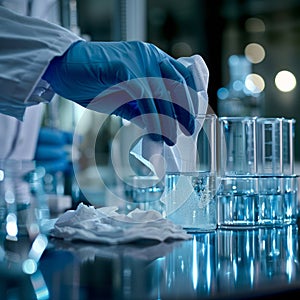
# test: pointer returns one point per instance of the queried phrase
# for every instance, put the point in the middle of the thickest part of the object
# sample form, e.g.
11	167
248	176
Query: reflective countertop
224	264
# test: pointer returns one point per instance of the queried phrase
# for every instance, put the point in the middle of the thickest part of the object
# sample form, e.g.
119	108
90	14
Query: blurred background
251	48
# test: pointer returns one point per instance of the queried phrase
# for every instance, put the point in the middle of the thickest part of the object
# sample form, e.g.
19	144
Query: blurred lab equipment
239	97
144	192
23	213
53	154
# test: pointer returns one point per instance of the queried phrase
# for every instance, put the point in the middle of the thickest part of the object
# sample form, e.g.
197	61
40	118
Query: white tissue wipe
106	225
174	156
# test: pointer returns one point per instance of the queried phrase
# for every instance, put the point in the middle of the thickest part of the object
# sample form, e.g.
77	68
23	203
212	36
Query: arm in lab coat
18	140
39	56
27	46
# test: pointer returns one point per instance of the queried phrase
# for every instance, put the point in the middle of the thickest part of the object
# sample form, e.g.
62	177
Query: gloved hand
140	81
51	151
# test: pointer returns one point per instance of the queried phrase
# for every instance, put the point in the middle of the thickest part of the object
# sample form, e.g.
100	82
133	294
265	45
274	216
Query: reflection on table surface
219	265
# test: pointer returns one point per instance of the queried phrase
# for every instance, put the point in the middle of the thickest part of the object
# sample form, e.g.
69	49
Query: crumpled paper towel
106	225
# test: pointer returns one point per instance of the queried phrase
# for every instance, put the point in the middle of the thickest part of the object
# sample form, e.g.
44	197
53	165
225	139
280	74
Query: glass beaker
238	146
190	188
275	143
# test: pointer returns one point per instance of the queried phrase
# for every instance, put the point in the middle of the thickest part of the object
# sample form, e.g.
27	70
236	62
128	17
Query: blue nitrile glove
51	151
135	77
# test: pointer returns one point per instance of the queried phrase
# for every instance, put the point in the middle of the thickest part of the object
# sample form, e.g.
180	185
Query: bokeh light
255	25
29	266
285	81
11	225
255	53
182	49
255	83
222	93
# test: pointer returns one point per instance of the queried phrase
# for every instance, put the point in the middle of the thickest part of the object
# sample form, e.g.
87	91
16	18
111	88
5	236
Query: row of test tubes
258	186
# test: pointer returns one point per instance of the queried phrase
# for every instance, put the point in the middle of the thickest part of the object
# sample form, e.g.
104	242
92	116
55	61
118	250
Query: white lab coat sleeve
27	46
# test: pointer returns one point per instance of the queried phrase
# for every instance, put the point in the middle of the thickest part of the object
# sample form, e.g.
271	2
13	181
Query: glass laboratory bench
224	264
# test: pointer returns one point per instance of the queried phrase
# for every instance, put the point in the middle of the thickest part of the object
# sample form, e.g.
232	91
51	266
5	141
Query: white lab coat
27	46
